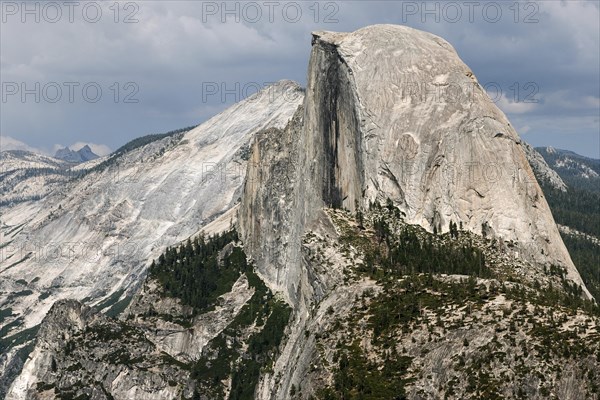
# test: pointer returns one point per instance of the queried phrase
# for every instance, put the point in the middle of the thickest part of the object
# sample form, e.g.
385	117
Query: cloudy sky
106	72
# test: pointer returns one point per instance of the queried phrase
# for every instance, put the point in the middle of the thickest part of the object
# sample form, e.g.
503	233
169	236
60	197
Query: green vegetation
144	140
118	307
571	168
576	208
5	313
44	295
569	297
200	271
26	335
264	312
579	209
112	306
110	301
418	304
73	174
6	328
193	274
197	273
586	256
411	250
262	346
405	301
132	145
358	378
409	254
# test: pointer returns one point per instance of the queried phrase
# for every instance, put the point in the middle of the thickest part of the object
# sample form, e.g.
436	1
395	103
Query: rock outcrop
392	112
81	353
389	113
161	347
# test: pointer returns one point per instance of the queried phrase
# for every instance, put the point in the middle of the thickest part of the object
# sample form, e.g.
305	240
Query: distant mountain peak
82	155
575	170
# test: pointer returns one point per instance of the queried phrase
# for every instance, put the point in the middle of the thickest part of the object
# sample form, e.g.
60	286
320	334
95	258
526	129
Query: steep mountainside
92	238
168	344
544	174
387	244
403	314
27	176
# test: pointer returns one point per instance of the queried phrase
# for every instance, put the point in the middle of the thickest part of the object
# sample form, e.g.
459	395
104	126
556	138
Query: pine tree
359	215
196	395
390	204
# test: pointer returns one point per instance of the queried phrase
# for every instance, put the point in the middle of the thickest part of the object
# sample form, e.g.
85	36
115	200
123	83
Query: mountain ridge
109	222
577	171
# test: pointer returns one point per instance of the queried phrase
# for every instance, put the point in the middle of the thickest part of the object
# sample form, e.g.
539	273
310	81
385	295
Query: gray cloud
175	49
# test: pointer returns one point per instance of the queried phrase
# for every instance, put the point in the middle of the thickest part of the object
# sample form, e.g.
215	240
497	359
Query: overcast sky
157	64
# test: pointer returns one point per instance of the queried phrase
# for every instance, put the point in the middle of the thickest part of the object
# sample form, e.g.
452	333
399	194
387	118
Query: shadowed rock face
337	121
392	112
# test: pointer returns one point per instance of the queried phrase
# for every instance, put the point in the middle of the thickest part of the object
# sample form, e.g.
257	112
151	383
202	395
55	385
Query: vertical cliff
392	112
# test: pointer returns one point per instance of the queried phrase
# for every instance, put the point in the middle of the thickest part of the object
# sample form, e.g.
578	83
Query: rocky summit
380	234
82	155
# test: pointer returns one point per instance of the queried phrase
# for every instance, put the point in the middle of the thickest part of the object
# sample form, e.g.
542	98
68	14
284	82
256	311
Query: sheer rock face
271	218
392	112
389	112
